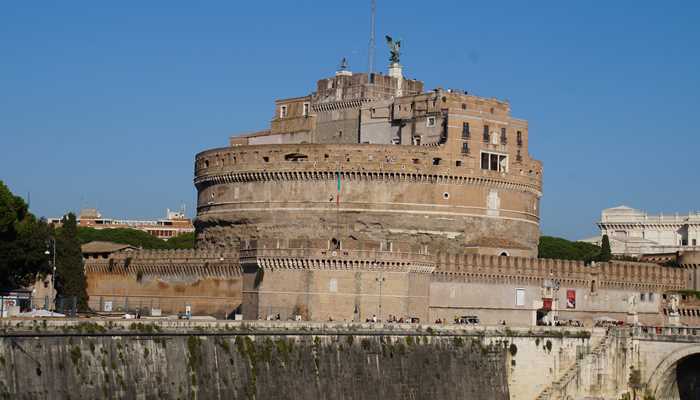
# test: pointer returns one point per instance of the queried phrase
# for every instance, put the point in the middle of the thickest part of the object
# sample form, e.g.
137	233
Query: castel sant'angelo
372	196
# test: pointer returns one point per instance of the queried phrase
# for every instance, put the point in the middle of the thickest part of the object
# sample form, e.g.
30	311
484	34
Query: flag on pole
337	198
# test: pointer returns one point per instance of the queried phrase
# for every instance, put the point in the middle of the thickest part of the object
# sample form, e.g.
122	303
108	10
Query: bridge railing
660	330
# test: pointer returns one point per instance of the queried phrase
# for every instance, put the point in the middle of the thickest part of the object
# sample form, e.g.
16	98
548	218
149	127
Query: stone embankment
116	359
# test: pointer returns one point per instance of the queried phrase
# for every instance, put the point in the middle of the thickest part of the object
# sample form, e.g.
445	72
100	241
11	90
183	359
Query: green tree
605	253
182	241
135	238
559	248
22	242
70	274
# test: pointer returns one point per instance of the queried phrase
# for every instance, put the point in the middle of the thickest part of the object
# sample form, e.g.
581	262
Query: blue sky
105	105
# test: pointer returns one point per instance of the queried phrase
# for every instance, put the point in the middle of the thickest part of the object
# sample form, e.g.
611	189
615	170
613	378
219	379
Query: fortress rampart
169	280
269	277
620	275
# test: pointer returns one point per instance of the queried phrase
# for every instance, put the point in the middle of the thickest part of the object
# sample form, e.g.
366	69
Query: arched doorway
677	376
688	377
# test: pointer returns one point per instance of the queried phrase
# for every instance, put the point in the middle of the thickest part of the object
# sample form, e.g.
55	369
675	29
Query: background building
174	224
635	233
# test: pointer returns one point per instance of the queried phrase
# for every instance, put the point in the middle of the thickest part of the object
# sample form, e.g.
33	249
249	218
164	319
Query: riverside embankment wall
125	360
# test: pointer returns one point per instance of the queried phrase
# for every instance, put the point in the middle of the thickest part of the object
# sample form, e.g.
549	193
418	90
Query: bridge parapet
667	333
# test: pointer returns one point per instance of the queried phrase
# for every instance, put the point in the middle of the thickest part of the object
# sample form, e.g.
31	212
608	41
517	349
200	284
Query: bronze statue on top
395	49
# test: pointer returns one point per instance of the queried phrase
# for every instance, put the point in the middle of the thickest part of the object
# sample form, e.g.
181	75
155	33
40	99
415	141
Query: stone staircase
554	391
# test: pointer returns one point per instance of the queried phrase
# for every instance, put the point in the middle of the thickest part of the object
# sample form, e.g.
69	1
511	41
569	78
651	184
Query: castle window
430	122
416	161
436	161
464	106
642	297
446	196
458	163
492	110
519	297
465	130
305	110
333	285
465	148
695	242
283	111
520	138
651	297
266	158
504	138
206	163
386	245
494	161
295	157
518	157
486	134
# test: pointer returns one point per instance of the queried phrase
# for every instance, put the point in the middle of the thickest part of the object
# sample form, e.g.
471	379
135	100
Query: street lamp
52	241
381	280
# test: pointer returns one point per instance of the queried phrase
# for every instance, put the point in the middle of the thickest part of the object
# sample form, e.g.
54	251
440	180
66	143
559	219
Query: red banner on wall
570	298
547	304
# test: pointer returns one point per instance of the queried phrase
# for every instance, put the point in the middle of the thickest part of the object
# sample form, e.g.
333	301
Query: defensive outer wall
270	277
167	280
170	359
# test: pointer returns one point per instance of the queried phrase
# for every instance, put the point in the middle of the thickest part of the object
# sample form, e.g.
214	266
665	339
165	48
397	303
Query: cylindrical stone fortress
359	193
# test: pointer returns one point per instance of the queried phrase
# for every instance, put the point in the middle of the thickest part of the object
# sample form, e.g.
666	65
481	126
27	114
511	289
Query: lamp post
52	242
380	279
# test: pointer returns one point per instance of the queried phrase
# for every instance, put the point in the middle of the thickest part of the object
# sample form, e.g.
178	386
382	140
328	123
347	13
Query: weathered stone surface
210	366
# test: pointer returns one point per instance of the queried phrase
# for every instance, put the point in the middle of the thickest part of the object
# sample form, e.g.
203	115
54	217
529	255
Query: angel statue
395	49
673	305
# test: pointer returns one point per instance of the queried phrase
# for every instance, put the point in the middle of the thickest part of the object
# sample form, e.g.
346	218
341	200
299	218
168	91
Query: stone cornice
388	176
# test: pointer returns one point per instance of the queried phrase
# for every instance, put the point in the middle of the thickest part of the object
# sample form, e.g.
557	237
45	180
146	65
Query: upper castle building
376	158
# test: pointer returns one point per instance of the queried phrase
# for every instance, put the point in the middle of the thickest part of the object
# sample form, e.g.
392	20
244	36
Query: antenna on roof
370	55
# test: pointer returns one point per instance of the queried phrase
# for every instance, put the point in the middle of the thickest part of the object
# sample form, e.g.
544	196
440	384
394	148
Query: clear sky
105	104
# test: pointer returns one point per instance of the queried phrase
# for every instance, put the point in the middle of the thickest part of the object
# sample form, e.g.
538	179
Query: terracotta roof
105	247
495	242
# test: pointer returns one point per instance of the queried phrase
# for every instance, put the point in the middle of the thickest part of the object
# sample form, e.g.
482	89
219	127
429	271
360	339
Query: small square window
431	121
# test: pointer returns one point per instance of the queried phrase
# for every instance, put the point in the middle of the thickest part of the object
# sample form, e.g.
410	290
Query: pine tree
70	274
22	242
605	253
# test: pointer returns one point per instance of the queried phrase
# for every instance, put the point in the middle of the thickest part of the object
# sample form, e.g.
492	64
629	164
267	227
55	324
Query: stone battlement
366	260
188	262
573	273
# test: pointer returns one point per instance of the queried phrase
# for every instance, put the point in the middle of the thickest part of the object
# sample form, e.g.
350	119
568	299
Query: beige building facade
633	232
